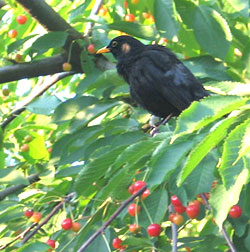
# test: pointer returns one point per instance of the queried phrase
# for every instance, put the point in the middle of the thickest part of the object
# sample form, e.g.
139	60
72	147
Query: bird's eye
114	43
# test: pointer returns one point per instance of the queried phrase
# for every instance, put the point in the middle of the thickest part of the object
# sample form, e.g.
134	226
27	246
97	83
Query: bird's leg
155	130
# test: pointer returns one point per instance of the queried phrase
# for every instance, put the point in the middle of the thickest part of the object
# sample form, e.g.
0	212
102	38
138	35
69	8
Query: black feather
159	82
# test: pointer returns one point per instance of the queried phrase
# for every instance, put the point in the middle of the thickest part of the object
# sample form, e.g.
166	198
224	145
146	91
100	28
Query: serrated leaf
229	87
50	40
209	24
94	171
44	105
201	178
207	110
167	157
69	109
222	199
166	18
218	133
157	205
235	146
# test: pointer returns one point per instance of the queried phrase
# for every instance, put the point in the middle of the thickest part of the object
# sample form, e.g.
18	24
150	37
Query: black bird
159	82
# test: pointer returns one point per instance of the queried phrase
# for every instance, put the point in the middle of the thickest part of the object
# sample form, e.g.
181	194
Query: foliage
99	142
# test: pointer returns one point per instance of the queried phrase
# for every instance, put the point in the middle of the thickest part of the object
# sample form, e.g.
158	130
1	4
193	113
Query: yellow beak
103	50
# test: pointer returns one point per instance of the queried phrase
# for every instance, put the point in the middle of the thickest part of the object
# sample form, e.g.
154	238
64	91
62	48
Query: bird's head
122	46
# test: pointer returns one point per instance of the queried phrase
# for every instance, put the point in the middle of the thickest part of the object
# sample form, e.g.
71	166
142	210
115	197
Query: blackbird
158	81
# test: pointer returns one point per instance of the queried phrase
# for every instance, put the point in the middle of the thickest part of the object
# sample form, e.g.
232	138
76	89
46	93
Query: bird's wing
172	80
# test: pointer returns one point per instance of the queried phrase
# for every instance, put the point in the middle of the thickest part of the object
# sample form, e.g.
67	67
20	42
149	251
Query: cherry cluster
66	224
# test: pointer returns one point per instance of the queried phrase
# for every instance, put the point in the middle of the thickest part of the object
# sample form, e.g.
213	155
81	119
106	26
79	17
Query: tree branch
44	66
2	4
12	189
224	233
114	215
36	91
47	17
52	213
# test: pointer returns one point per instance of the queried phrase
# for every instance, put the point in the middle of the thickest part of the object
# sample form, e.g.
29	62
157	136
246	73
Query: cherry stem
52	213
113	216
174	231
224	233
106	242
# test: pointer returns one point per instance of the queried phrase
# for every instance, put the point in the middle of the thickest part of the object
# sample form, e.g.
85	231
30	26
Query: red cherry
117	243
36	217
91	48
175	201
25	148
76	226
134	209
154	230
192	211
145	194
67	224
12	33
179	209
170	217
235	211
129	18
188	249
177	219
133	228
195	202
28	213
21	19
138	185
131	189
145	14
135	1
51	243
50	149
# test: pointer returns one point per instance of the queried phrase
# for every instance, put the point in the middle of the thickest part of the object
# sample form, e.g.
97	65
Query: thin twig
174	231
20	236
38	90
224	233
114	215
94	11
12	189
52	213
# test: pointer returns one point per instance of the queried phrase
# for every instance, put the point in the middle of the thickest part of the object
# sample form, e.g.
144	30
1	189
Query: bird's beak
103	50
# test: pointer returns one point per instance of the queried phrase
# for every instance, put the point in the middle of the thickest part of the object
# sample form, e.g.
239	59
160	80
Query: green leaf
12	176
166	18
202	177
134	29
222	199
138	241
207	110
236	7
69	109
44	105
235	146
205	67
229	87
94	171
209	26
49	40
217	134
37	148
34	247
15	45
157	206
